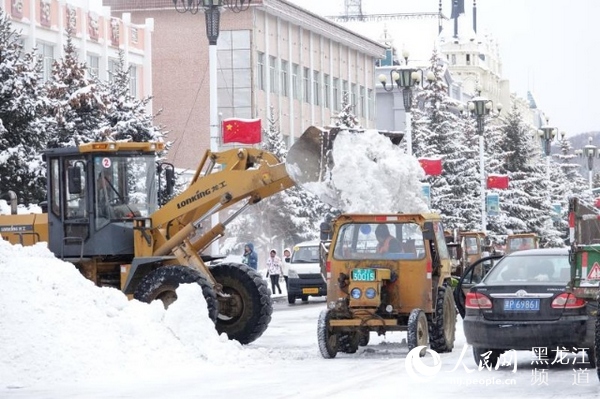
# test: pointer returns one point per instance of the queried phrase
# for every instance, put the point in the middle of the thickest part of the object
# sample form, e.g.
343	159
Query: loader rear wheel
328	340
596	348
246	313
442	329
417	333
364	338
160	284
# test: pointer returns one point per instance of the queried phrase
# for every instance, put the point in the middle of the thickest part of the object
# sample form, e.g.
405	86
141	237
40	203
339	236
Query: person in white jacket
287	257
274	270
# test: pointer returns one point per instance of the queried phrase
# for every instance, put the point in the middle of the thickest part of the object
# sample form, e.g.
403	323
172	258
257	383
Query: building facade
274	57
97	35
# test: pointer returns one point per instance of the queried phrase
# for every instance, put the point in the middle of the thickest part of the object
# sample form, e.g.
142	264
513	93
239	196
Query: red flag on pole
431	166
497	181
245	131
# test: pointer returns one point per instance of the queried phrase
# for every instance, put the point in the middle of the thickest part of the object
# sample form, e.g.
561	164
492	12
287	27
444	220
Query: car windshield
305	254
519	269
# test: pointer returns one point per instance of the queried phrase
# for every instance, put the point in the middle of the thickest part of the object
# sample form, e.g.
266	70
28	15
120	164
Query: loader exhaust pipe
11	197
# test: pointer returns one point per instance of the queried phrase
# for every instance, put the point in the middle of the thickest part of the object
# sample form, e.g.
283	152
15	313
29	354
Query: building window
344	87
133	81
353	98
316	88
273	74
284	78
468	59
371	106
336	94
327	94
260	79
361	102
113	67
93	66
306	84
453	62
296	82
46	52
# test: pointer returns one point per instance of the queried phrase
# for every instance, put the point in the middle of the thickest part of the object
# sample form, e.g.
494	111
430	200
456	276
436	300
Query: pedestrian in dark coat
250	257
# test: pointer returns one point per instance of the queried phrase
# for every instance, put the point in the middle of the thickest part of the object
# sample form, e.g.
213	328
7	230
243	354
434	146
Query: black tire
246	315
442	330
418	331
304	298
348	342
364	338
596	348
492	359
291	299
328	340
160	284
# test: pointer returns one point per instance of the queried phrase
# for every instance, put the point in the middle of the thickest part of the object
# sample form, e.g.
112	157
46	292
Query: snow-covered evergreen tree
346	117
22	138
526	202
129	119
454	193
78	103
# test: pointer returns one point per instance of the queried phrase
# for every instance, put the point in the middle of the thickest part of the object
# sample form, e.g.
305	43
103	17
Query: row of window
312	87
46	51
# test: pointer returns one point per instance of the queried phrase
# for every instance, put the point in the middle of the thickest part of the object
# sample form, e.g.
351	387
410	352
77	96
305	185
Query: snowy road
288	365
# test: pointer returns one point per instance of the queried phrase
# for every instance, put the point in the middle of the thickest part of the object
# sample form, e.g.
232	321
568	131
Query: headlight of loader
355	293
370	293
293	274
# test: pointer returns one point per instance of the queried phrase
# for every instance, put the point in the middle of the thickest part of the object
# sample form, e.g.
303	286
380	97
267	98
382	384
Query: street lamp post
547	134
480	107
405	78
212	15
589	151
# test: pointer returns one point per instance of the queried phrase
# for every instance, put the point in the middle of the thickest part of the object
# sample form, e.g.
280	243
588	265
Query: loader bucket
309	160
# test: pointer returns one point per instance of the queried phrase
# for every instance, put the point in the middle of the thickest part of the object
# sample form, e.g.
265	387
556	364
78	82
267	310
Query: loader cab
95	191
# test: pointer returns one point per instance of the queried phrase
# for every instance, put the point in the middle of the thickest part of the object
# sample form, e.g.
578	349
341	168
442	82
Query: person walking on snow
250	258
274	270
285	266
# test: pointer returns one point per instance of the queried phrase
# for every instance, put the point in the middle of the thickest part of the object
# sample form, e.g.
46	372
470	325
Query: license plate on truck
310	290
363	274
518	305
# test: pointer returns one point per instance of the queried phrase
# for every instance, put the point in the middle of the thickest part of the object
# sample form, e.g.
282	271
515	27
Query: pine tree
22	138
346	117
129	119
526	202
78	103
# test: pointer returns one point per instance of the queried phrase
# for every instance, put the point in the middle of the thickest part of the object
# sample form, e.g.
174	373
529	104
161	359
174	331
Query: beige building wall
286	36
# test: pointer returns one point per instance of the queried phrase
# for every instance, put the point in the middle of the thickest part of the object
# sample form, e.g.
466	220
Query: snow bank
56	326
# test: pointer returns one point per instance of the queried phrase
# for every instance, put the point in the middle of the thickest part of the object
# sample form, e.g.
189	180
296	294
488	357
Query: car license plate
522	304
363	274
310	290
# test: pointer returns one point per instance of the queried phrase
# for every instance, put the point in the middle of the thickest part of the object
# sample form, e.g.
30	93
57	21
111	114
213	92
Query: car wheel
417	331
291	299
328	340
443	327
486	357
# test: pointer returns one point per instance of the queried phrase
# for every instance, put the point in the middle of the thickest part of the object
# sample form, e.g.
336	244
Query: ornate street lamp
589	151
480	107
405	78
212	14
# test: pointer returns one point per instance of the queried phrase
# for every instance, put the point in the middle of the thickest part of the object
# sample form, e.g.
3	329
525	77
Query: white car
305	277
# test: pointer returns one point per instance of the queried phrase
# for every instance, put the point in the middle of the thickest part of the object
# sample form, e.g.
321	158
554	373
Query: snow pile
372	175
57	326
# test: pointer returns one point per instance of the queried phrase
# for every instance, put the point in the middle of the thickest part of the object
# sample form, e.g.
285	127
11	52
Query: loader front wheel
245	311
160	284
417	330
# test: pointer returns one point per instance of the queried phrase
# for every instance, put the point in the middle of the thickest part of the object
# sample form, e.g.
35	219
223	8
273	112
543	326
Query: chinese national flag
245	131
497	181
431	166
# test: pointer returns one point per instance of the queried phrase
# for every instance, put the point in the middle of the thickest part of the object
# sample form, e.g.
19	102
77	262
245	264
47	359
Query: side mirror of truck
75	182
170	180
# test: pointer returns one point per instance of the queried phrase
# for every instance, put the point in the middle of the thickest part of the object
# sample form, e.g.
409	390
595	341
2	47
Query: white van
304	277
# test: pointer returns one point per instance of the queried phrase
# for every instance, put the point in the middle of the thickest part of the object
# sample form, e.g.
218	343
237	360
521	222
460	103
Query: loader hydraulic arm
222	180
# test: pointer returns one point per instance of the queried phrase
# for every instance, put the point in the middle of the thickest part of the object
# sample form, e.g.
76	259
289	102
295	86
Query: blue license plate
363	274
524	305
